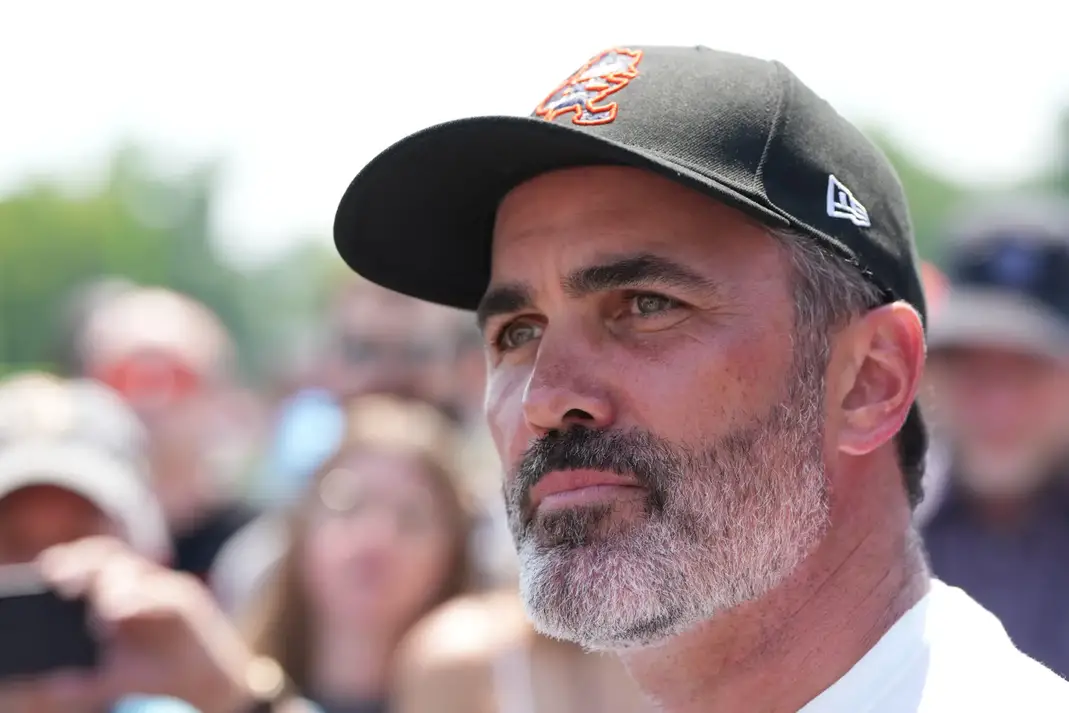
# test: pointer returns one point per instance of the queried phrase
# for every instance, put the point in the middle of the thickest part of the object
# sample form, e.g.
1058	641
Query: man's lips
563	488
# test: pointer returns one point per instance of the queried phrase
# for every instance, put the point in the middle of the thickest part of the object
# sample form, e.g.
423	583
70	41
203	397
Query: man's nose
565	389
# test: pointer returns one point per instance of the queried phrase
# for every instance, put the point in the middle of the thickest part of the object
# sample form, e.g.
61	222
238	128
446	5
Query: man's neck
776	654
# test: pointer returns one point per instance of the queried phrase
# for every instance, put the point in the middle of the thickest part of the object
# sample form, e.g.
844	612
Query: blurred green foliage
151	228
155	228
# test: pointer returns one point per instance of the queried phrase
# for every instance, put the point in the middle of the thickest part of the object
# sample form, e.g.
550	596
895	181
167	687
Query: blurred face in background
1006	413
156	347
469	371
152	382
388	343
379	544
35	518
459	378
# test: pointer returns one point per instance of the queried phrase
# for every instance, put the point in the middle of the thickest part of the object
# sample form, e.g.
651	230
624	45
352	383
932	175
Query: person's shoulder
1031	686
972	664
471	628
451	660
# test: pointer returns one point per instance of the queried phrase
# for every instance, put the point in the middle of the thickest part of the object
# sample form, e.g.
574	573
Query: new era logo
842	204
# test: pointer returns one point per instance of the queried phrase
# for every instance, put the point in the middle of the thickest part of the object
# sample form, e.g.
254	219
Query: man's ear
882	360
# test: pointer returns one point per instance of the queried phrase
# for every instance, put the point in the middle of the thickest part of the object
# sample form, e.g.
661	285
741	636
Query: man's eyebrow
627	271
635	271
502	299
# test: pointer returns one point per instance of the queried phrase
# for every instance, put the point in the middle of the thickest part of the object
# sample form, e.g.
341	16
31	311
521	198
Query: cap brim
419	218
79	470
993	318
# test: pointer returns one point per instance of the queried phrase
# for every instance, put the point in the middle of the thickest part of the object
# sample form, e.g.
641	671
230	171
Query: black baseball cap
747	132
1008	266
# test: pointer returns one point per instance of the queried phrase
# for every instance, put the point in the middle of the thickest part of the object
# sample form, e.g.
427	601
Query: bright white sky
298	96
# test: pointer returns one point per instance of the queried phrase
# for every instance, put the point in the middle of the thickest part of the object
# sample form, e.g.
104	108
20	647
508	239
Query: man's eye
515	334
649	305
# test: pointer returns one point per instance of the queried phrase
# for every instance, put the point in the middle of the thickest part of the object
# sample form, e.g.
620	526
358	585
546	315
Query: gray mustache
630	453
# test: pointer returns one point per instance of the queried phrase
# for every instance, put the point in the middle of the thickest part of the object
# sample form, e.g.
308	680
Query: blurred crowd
348	516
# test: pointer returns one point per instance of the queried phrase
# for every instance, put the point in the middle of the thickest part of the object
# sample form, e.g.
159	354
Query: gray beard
723	525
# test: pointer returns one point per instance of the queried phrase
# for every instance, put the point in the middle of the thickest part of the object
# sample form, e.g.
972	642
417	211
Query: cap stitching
773	130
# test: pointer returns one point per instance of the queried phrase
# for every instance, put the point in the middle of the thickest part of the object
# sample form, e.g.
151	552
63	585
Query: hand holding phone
161	632
40	632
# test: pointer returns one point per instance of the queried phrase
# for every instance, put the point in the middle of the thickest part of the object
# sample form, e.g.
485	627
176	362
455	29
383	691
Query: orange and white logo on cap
585	93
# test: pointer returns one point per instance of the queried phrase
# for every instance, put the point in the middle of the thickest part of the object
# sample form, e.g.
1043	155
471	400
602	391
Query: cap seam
773	130
700	170
834	243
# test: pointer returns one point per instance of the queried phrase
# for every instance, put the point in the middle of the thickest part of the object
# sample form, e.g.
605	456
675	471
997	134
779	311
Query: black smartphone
41	632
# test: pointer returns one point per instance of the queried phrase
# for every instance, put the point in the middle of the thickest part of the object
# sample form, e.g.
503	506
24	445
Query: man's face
640	343
1007	414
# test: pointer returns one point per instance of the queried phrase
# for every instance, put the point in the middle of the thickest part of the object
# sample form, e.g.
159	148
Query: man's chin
640	585
582	526
603	594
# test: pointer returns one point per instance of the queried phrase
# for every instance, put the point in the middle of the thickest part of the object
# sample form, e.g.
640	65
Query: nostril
576	414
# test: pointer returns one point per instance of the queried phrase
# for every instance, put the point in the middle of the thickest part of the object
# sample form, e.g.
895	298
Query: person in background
384	342
999	365
480	654
156	347
72	466
83	302
379	539
462	377
936	286
173	361
378	342
197	484
462	382
309	429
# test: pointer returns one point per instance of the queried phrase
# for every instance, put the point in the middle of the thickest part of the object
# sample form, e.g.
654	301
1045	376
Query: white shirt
946	655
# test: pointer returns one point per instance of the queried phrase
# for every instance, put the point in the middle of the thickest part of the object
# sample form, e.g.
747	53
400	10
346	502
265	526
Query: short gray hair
829	291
